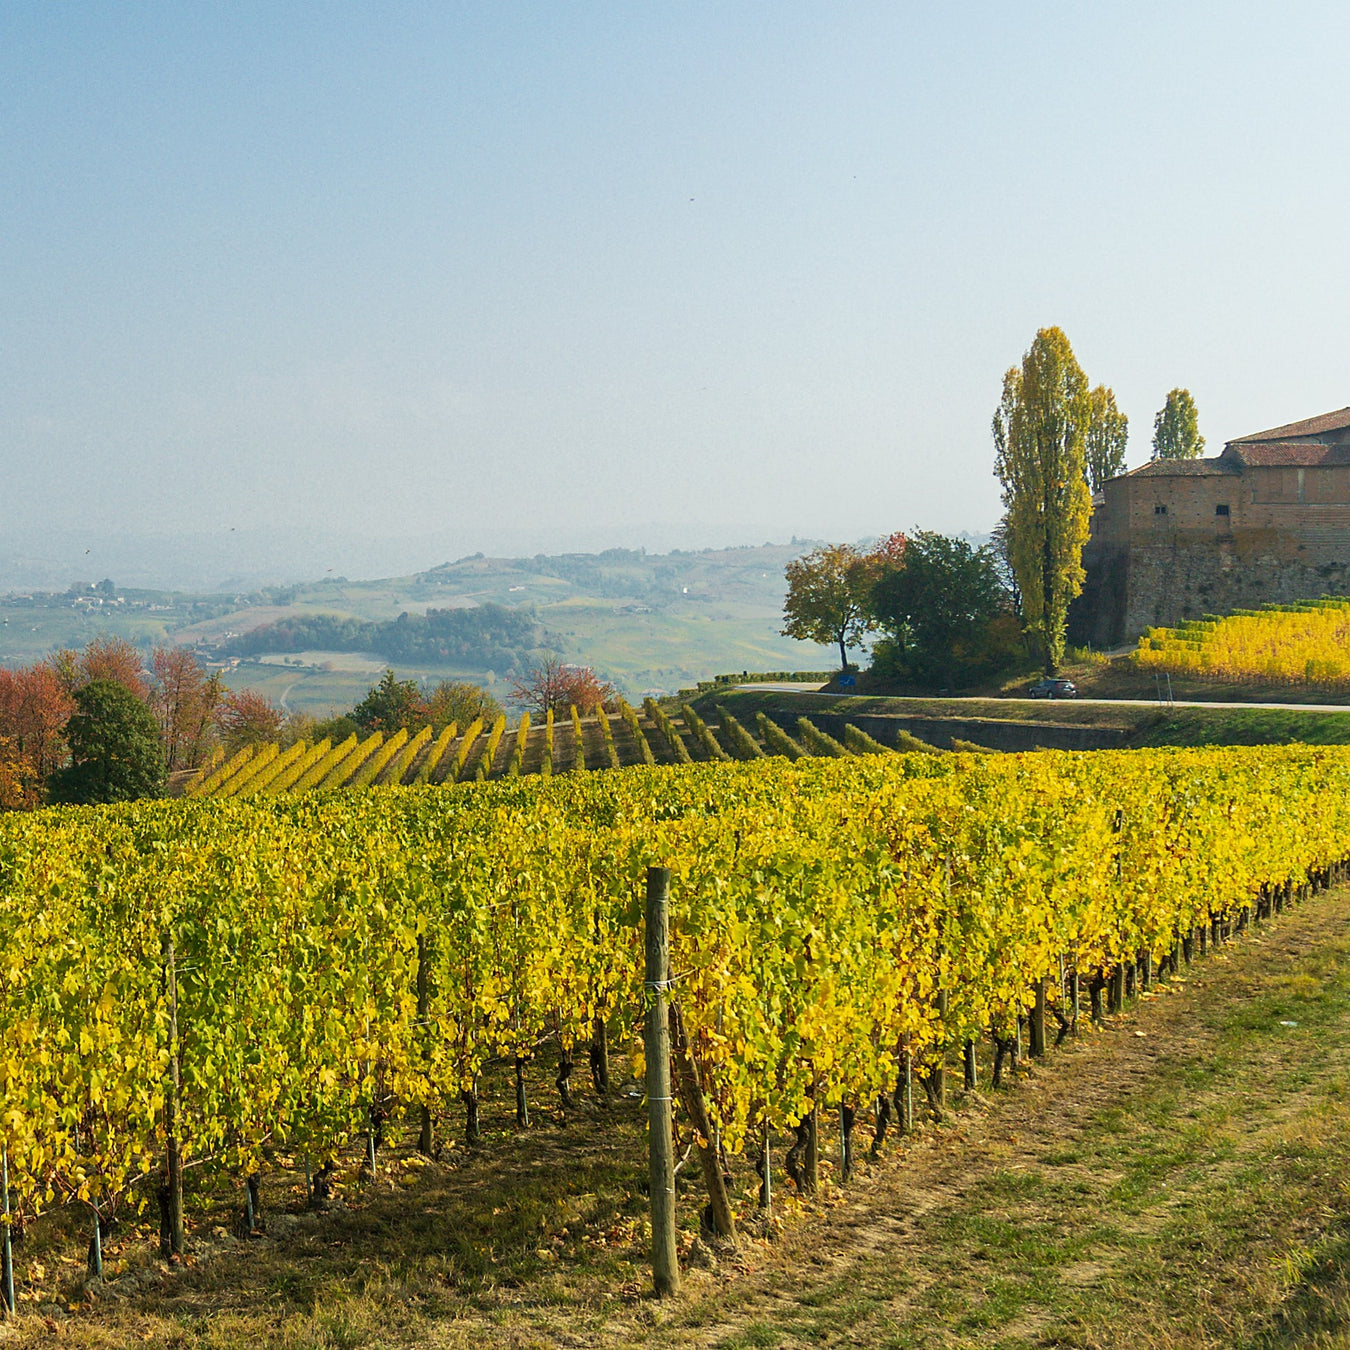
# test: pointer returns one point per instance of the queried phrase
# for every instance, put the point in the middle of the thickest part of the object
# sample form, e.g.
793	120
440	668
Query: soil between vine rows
1177	1179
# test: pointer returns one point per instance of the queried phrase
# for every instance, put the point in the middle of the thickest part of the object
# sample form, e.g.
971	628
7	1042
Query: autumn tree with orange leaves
35	705
105	658
246	717
551	685
184	700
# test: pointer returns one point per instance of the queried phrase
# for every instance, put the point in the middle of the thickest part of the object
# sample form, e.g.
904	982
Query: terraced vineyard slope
617	740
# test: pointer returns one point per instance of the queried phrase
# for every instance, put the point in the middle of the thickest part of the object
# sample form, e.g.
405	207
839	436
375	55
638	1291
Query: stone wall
941	731
1208	537
1163	583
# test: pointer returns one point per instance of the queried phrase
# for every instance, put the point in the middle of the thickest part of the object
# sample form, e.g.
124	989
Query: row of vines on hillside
1307	642
217	979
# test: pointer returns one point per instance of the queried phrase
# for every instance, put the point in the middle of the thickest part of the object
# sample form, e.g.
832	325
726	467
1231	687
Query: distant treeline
485	637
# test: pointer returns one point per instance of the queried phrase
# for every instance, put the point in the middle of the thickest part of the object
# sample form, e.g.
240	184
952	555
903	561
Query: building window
1221	509
1159	510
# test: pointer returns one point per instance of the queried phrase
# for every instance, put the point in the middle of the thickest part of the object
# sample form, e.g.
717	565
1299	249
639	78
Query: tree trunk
599	1056
522	1102
473	1134
813	1148
884	1112
795	1157
1038	1021
564	1078
847	1117
691	1095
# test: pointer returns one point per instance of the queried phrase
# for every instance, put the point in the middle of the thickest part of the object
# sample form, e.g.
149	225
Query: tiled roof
1186	468
1311	426
1287	454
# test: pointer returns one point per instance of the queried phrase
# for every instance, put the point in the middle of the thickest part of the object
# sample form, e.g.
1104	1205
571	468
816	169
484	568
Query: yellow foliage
818	907
1302	644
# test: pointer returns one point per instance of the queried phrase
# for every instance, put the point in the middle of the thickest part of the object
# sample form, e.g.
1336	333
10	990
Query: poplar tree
1176	428
1108	434
1040	434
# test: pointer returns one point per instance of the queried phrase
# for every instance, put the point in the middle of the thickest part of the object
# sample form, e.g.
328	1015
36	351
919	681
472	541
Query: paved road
814	688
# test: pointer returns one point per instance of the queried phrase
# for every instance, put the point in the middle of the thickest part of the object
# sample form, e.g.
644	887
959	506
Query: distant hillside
650	622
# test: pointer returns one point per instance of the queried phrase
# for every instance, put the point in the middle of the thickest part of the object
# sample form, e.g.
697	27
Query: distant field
651	623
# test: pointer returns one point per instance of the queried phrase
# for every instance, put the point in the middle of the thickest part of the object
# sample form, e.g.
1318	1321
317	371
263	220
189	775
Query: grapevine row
332	961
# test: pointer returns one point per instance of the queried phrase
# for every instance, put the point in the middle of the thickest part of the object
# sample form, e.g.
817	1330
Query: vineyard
218	984
1297	644
479	753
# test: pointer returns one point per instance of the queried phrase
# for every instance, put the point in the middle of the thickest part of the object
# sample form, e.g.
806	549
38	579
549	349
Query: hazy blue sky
514	276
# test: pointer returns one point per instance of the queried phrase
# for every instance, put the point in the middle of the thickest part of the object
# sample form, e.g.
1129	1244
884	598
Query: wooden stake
174	1215
7	1260
765	1169
656	1045
425	1136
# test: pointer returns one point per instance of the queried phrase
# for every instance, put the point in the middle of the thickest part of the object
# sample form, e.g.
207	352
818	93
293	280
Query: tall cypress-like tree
1040	433
1176	428
1108	435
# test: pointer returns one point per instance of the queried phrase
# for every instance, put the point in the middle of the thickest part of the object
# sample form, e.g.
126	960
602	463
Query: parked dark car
1053	689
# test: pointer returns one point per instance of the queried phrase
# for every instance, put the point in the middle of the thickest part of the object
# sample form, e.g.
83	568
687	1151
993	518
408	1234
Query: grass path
1179	1179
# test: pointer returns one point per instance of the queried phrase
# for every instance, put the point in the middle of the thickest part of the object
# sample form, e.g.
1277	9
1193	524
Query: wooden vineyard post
656	1047
1038	1021
425	1138
7	1261
938	1077
813	1143
907	1094
171	1204
765	1168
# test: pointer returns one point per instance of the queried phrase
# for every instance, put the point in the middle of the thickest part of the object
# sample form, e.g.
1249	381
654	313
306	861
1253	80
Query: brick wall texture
1268	520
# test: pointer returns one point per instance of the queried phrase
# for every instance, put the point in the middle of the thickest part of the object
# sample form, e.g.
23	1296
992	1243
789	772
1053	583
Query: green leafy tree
390	705
1107	436
1040	434
1176	428
828	598
115	749
462	703
946	612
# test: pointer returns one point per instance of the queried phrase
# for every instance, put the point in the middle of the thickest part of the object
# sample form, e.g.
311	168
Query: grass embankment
1122	677
1177	1179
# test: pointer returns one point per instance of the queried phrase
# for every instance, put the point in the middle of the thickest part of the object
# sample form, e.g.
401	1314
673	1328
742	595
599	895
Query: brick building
1268	519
